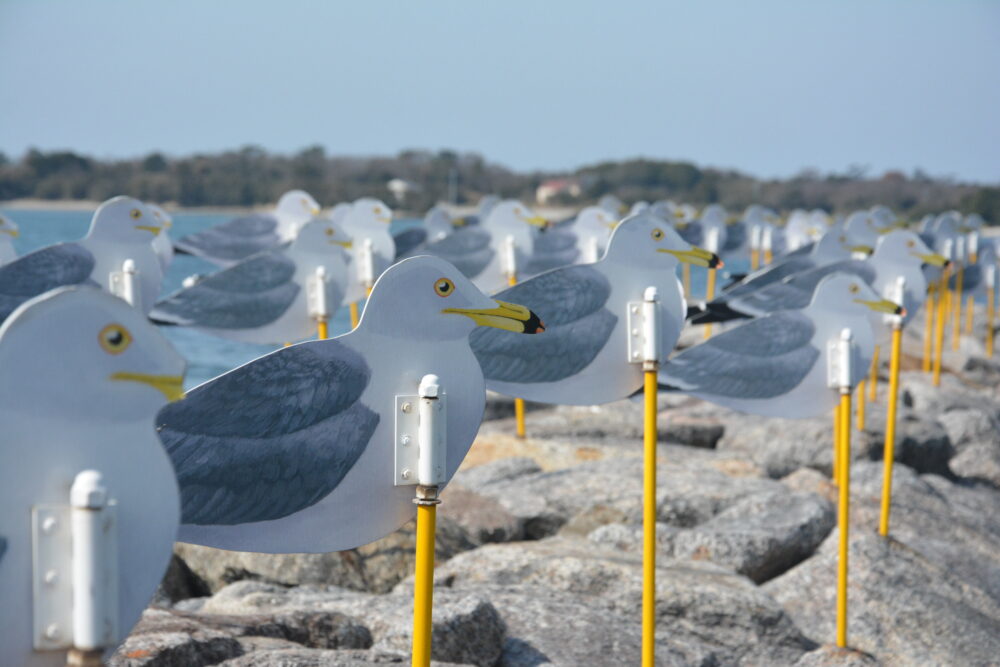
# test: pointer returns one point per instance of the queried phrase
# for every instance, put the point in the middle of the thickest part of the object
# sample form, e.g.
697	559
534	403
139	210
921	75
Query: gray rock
831	656
375	567
921	444
762	535
170	637
180	583
482	518
780	446
466	628
970	426
979	461
707	613
501	470
278	656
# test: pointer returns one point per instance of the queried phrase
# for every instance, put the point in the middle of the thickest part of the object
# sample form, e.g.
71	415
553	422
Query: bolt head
405	440
407	407
52	632
405	474
49	524
51	577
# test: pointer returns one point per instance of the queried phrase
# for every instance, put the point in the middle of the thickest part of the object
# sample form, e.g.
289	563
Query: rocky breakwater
539	549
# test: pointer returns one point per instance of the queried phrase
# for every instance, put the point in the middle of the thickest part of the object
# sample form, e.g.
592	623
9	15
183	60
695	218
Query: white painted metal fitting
366	263
845	351
960	249
591	250
650	326
319	309
767	239
509	257
948	250
973	242
991	276
896	294
125	284
431	433
712	240
94	610
755	235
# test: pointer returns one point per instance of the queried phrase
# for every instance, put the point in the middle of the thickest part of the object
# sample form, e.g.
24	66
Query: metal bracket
643	337
316	299
124	284
52	576
842	361
635	328
407	438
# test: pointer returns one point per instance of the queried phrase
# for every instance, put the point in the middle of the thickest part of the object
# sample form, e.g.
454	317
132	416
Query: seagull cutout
235	240
367	220
84	376
293	452
776	365
436	225
8	232
583	357
265	298
122	228
162	244
899	253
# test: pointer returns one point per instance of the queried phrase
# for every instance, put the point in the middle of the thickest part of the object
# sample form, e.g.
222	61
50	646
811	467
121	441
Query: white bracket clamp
124	284
895	292
842	362
74	569
642	319
316	297
420	436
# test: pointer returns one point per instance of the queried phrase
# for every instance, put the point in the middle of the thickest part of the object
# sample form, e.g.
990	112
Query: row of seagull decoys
288	453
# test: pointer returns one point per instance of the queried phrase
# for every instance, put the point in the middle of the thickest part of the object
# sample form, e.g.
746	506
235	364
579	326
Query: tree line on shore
251	176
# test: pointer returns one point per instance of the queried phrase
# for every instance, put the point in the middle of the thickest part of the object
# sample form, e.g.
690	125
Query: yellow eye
444	287
853	288
328	231
657	234
114	338
135	213
910	243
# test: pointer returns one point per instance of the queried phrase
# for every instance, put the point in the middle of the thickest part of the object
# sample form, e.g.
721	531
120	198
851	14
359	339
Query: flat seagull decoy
583	357
367	220
776	365
293	452
900	253
264	299
435	226
84	376
234	240
162	244
122	228
8	232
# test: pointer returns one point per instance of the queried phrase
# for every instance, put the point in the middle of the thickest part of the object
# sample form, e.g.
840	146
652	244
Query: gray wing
552	249
269	438
409	240
40	271
3	547
234	240
769	275
763	358
250	294
796	292
571	303
468	249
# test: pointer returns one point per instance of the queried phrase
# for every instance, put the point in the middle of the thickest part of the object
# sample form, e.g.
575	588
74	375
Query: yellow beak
697	256
155	231
883	306
933	259
344	244
536	221
458	222
313	210
171	386
867	249
13	232
506	316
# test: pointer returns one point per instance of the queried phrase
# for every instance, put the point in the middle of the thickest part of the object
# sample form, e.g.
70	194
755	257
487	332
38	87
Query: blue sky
765	87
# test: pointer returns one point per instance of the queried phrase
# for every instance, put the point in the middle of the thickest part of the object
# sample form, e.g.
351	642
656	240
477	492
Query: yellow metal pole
843	512
873	380
861	405
990	314
322	330
836	444
649	520
925	366
889	453
754	260
518	402
956	330
686	278
768	257
354	314
970	310
942	313
423	584
709	295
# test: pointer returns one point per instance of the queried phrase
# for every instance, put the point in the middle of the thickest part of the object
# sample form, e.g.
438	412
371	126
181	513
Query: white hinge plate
116	284
316	297
635	329
833	364
406	444
52	576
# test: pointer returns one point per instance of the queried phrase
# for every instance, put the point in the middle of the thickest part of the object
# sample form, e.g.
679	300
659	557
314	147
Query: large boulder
375	567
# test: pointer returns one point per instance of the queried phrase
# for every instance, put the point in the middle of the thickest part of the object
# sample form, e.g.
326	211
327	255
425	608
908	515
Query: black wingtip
717	311
181	250
694	309
534	324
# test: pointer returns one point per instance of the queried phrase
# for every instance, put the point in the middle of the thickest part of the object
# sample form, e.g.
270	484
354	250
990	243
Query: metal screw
407	407
52	632
635	332
404	440
49	524
405	474
50	577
